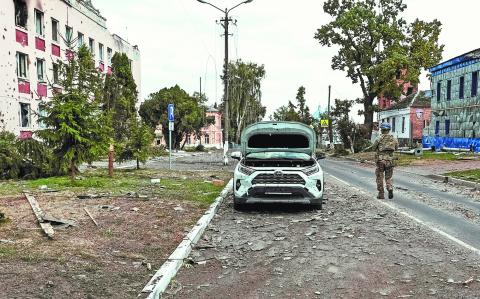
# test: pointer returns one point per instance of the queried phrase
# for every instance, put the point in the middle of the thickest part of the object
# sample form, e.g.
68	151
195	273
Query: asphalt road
436	205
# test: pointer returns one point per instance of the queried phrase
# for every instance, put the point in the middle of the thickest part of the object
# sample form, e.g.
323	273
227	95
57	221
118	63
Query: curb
161	279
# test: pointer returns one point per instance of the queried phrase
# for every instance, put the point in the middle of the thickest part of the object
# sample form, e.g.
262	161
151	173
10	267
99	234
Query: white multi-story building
35	35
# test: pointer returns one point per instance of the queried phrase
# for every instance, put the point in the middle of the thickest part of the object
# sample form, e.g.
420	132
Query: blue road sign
171	116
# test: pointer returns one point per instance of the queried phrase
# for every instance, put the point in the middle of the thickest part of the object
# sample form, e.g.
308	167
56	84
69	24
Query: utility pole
330	131
225	21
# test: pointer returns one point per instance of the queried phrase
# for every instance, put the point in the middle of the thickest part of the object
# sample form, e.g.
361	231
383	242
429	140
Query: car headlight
245	170
311	170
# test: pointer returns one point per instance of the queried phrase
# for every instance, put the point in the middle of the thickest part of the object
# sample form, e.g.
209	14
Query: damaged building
35	36
455	104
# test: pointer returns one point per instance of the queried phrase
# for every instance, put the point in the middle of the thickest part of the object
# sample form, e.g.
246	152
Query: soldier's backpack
387	144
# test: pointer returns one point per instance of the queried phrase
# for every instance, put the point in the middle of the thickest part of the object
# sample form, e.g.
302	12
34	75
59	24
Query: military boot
390	194
381	195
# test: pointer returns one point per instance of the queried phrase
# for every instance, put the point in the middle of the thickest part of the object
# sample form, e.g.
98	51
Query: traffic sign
324	123
170	109
171	125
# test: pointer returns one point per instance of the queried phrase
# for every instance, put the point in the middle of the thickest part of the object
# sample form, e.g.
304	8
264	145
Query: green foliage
303	110
10	159
138	144
120	97
189	113
245	96
291	112
37	160
376	45
77	130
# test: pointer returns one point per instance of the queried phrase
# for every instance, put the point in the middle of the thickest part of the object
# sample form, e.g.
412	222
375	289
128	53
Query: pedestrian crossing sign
324	123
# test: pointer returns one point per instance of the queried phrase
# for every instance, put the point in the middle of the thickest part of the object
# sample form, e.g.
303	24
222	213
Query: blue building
455	105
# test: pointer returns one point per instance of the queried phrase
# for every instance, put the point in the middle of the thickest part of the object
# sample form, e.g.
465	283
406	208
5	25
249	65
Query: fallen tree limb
46	226
91	217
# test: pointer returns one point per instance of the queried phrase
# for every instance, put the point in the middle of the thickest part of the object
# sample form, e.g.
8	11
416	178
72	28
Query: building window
80	40
474	83
41	113
68	35
207	139
54	30
22	70
91	45
100	51
109	56
461	90
21	13
393	124
41	70
437	127
25	115
55	74
449	90
403	124
439	91
39	22
447	127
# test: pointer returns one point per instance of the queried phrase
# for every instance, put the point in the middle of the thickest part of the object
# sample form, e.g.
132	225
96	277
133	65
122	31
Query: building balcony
42	89
40	44
23	86
21	37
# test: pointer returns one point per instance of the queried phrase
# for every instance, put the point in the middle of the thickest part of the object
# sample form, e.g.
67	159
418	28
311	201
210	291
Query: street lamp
225	22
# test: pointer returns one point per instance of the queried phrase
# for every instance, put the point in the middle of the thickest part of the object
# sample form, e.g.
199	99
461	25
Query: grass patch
469	175
7	251
175	185
405	160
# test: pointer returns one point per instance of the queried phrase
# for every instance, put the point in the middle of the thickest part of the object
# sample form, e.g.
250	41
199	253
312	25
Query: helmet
385	126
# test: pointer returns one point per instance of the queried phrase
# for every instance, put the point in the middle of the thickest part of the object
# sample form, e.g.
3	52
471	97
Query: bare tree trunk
368	116
138	164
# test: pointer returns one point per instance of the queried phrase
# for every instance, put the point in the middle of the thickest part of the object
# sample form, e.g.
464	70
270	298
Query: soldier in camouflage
385	145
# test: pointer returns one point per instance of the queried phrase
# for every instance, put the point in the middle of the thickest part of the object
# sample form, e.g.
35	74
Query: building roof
459	61
420	99
212	109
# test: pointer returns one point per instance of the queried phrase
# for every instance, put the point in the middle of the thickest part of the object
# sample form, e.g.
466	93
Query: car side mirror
320	156
236	155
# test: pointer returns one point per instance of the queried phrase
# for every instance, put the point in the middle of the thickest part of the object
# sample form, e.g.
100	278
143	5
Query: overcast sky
180	42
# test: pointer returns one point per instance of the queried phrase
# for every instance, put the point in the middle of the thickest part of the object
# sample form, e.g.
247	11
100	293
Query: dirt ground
114	260
354	248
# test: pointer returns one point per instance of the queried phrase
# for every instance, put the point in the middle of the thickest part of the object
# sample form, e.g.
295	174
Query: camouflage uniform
385	145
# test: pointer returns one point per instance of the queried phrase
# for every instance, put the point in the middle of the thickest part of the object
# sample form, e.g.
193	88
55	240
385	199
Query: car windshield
279	156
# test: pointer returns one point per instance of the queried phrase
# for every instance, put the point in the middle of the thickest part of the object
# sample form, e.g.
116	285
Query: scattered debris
58	221
46	226
155	181
179	209
7	241
91	217
466	282
259	245
218	183
135	209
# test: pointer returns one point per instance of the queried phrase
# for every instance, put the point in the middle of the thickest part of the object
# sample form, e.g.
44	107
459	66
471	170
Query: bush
158	151
200	148
10	159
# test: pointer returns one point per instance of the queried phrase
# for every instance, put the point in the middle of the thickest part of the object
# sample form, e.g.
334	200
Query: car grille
270	178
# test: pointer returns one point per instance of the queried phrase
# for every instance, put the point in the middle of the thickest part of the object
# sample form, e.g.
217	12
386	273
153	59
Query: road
422	244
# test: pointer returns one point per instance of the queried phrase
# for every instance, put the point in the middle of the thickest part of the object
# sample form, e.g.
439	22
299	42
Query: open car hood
278	136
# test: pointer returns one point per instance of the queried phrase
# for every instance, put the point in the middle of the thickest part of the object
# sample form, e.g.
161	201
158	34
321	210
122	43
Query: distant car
277	163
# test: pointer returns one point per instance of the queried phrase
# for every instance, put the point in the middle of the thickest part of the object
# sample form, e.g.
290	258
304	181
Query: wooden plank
91	217
46	226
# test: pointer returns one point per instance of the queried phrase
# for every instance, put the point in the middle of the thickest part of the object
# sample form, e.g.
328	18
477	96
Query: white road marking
439	231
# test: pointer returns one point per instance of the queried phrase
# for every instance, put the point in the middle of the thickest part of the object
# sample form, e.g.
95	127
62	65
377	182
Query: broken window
22	60
447	127
80	40
21	13
25	115
54	30
91	45
403	124
68	35
39	22
278	141
109	56
41	70
55	73
100	51
393	124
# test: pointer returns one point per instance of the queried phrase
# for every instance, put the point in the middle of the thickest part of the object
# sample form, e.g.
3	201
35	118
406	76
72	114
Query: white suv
277	163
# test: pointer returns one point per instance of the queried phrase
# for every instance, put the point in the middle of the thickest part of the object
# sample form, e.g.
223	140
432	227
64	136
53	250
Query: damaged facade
35	35
455	104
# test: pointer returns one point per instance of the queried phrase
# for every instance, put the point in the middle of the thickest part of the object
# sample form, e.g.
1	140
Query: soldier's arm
373	146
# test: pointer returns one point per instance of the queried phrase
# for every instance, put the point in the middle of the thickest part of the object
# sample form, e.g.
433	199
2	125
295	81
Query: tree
120	97
376	44
77	130
303	110
292	112
245	96
9	156
137	147
189	113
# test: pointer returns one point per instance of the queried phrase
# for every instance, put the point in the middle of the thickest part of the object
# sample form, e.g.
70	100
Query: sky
180	42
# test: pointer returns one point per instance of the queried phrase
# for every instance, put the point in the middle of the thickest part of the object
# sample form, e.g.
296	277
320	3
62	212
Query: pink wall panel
55	50
24	87
42	90
21	37
40	44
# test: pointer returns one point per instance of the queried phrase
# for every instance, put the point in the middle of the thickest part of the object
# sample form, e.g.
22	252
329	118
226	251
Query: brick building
455	104
36	34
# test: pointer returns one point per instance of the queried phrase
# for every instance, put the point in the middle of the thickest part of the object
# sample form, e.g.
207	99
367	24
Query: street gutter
161	279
